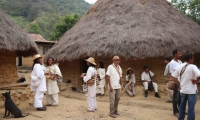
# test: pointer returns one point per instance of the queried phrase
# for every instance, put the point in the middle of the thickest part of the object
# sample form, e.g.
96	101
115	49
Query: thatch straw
129	28
12	38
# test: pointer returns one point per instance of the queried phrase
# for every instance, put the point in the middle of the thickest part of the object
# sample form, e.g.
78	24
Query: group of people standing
44	81
186	75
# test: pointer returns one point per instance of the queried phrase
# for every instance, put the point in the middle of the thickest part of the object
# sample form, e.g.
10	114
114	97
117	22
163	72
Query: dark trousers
176	99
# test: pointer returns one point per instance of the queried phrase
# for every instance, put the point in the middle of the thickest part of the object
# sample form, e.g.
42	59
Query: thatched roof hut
13	43
129	28
12	38
132	29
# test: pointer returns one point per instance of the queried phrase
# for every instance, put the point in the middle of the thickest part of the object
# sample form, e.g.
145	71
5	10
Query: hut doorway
19	61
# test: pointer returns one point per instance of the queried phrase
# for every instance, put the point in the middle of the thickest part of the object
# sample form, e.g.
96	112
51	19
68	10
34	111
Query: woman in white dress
91	94
52	74
38	82
101	73
130	78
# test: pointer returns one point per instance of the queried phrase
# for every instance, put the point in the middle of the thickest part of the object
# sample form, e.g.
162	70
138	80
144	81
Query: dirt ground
73	106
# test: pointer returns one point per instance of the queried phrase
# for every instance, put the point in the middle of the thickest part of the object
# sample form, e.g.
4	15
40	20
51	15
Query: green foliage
34	28
191	8
64	24
42	13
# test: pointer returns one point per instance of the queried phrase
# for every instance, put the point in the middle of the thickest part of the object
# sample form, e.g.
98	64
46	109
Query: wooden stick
13	85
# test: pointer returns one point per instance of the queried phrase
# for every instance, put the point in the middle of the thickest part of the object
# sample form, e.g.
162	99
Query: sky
91	1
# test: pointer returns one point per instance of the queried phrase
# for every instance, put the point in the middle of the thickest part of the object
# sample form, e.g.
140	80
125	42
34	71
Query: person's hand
122	88
194	81
111	89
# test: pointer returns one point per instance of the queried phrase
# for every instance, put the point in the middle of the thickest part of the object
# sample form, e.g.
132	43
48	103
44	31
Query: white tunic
102	74
145	76
52	86
38	73
191	73
91	89
132	80
114	76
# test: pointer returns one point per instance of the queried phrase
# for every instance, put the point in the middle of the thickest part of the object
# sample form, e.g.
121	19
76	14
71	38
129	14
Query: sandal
112	115
117	113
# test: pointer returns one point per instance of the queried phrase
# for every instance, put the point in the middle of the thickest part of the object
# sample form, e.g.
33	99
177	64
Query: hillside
40	16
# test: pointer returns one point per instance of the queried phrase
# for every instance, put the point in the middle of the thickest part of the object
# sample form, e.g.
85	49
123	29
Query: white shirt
166	72
132	79
91	89
173	65
145	76
114	76
191	72
39	74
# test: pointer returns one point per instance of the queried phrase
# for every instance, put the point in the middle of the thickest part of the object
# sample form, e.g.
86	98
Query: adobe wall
8	68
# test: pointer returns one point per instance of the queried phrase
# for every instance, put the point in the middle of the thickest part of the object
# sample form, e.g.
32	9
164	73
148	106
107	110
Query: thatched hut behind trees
141	32
13	43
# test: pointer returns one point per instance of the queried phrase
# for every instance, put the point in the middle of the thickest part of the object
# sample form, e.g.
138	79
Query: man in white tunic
189	75
130	78
114	77
167	76
91	94
147	79
175	62
38	83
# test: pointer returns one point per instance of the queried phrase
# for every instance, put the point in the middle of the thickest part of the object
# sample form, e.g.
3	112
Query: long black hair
101	64
35	61
91	65
48	60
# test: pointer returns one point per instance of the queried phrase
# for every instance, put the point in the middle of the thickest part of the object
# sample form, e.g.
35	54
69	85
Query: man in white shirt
172	67
189	75
147	79
114	78
167	76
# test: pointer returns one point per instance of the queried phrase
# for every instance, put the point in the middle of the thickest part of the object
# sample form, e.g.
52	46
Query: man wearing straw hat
91	94
114	78
38	82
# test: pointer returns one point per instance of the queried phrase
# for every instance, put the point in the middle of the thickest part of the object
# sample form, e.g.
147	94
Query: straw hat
37	56
91	60
129	69
115	58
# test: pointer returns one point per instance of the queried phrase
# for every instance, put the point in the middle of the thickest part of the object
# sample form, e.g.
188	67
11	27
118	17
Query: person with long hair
130	78
52	74
38	82
101	72
91	94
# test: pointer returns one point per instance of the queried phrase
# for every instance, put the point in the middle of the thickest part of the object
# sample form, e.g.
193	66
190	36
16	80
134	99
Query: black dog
11	107
22	79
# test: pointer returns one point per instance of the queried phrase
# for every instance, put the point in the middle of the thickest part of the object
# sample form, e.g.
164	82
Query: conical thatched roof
12	38
129	28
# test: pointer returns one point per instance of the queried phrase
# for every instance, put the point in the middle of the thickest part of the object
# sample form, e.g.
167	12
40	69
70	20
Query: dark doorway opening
19	61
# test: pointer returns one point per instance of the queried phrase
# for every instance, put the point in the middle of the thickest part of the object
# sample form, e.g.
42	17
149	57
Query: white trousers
38	98
92	104
155	85
170	93
52	99
132	91
100	90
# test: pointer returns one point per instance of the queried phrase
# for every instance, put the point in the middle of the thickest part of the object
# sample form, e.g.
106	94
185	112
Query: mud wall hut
141	32
13	43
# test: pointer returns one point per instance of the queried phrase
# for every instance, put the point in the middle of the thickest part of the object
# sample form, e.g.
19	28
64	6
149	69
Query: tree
34	28
191	8
64	24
